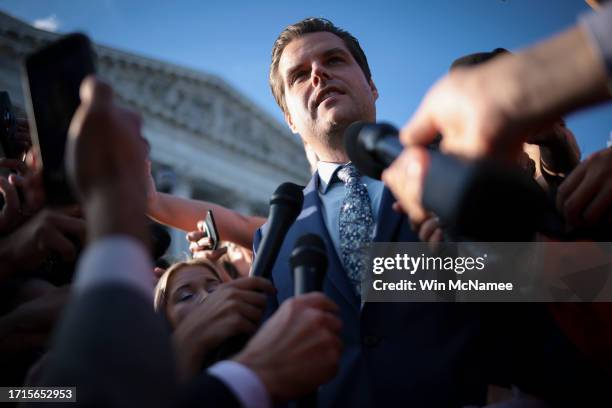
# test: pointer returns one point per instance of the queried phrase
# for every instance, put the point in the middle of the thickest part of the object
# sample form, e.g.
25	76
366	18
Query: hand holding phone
52	79
204	242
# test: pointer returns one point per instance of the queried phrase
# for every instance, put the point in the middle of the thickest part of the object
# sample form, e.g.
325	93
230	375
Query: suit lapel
388	221
311	220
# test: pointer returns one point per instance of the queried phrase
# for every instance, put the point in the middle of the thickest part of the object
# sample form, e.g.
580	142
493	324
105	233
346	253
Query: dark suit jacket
395	354
117	352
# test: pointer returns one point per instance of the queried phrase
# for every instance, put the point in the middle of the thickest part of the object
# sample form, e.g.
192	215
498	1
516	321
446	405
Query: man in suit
394	354
111	345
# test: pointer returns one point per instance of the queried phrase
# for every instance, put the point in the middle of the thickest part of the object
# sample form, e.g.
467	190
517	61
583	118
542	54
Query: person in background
203	309
38	248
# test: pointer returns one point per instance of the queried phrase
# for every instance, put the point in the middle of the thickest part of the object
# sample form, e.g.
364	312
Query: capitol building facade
207	140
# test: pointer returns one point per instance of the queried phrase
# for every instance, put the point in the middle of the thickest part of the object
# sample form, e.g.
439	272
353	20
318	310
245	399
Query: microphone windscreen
360	142
309	250
289	195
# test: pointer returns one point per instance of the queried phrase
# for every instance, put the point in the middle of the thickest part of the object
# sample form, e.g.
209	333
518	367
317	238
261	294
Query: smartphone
52	77
211	229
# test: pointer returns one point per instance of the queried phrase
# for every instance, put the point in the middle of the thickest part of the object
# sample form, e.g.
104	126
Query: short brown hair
306	26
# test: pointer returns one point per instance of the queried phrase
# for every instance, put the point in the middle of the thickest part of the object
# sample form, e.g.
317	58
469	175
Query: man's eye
299	76
335	60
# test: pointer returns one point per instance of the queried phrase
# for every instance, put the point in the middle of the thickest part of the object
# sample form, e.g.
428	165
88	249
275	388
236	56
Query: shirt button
370	341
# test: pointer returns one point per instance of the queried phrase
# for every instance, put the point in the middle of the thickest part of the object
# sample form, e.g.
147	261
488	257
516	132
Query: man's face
325	90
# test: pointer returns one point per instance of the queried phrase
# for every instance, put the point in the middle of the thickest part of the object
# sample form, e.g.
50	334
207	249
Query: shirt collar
326	172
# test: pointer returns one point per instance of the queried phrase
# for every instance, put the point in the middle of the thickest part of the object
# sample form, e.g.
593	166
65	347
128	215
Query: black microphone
372	147
480	199
309	265
285	205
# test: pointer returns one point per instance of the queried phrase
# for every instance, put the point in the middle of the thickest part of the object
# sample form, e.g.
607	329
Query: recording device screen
53	77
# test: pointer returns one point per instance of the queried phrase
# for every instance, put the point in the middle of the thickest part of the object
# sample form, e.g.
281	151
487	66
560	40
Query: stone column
167	181
179	246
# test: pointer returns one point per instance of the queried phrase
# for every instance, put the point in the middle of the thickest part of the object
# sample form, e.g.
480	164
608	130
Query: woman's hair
161	289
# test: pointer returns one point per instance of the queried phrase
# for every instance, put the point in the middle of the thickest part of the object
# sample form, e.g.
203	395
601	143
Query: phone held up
211	230
52	78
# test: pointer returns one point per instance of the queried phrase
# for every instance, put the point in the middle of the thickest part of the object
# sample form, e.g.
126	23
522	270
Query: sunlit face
325	90
188	287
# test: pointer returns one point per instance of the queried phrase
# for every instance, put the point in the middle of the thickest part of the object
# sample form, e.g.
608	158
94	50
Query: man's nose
319	74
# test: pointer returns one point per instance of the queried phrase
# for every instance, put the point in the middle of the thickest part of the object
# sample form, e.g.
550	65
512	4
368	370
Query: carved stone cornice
181	105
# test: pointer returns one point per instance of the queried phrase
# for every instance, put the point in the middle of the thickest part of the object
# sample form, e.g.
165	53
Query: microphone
480	200
285	205
372	147
309	264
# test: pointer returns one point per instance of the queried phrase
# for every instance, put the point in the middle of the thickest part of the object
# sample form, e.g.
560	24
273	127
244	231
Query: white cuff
243	382
118	259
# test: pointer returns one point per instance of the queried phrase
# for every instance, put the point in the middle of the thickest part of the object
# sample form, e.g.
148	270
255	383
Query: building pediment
191	118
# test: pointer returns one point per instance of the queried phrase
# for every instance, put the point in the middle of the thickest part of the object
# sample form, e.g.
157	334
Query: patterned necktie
355	224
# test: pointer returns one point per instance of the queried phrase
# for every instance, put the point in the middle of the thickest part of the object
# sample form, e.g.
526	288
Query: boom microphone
480	199
285	205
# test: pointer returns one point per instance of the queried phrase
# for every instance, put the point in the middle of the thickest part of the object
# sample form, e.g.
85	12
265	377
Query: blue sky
409	44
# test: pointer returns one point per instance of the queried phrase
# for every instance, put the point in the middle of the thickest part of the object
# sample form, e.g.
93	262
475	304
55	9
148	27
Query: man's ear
374	89
290	123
